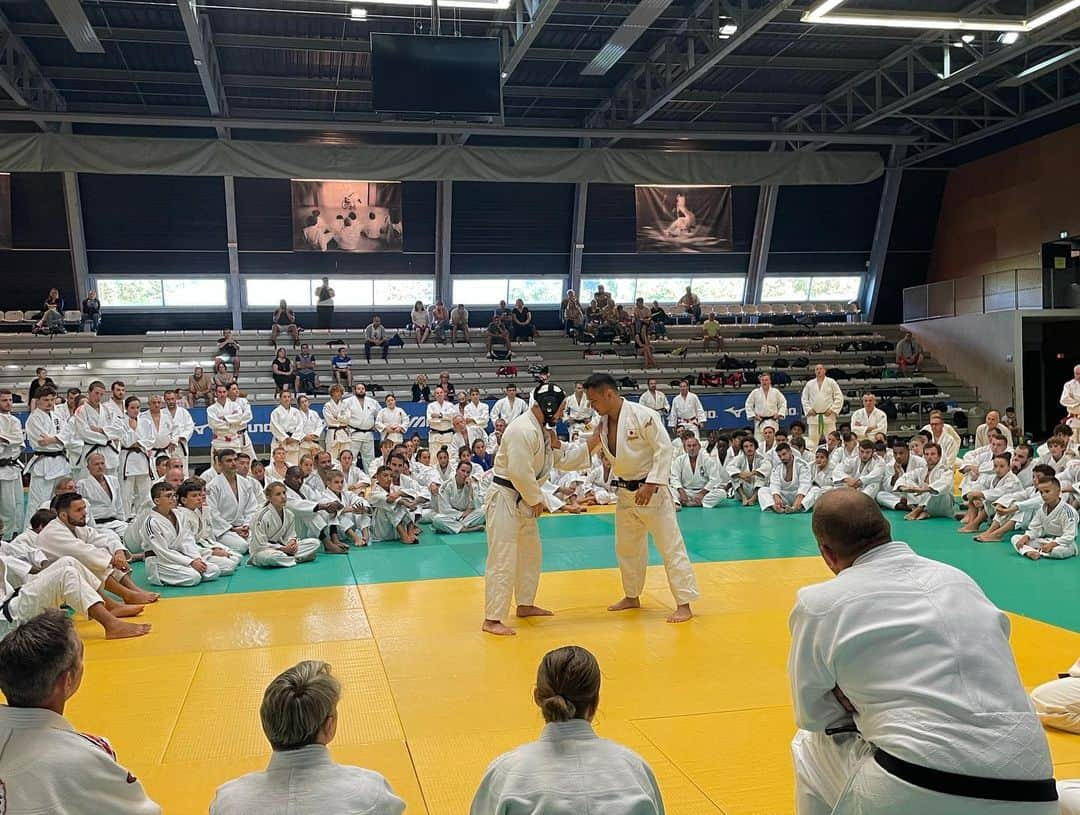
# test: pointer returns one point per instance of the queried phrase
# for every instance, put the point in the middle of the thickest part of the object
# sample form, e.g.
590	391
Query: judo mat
429	700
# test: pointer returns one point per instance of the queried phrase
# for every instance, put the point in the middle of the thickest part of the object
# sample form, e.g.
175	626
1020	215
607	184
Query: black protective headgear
549	399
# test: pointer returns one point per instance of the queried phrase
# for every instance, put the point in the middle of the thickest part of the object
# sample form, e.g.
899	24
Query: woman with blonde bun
570	770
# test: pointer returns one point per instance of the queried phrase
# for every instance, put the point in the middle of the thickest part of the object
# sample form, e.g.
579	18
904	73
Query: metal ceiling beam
540	13
201	41
622	39
325	123
72	18
879	249
21	76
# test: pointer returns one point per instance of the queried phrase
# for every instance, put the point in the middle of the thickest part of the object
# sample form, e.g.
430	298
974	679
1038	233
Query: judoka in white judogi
49	462
765	402
273	541
791	480
362	412
694	473
286	426
822	401
896	474
749	462
458	506
172	558
476	417
11	471
336	415
867	471
1052	532
232	504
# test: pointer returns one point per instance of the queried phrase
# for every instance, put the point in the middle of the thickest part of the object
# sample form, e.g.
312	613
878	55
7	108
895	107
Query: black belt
628	485
105	520
360	429
506	482
49	453
580	421
4	606
968	786
9	462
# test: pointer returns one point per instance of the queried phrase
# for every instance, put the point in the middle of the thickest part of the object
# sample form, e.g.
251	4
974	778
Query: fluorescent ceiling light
490	5
358	13
1045	66
968	38
1008	38
728	29
825	11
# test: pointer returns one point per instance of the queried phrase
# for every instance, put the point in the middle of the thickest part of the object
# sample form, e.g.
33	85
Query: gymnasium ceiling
705	74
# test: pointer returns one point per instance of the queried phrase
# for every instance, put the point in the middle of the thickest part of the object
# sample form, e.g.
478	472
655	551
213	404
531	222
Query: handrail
997	291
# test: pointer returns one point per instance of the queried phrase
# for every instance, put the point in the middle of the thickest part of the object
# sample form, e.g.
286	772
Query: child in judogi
1052	532
354	518
1014	513
273	541
931	490
1001	483
459	508
356	480
172	559
392	511
195	527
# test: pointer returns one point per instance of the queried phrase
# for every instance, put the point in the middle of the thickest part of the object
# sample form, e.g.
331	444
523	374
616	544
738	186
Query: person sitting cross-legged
273	540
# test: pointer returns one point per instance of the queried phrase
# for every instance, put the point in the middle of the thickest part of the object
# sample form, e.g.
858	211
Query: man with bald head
993	423
906	693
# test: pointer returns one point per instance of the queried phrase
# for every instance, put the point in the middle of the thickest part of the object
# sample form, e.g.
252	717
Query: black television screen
436	75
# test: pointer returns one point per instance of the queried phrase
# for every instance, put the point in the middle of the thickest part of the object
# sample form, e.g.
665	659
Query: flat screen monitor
436	75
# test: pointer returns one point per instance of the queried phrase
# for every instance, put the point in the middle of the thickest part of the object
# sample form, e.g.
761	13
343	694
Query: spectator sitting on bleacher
908	353
573	316
601	300
284	317
341	366
710	333
521	320
691	304
51	322
53	300
446	385
440	321
658	319
91	311
222	375
459	321
496	330
199	388
43	380
229	351
375	337
420	390
307	381
643	343
421	322
282	371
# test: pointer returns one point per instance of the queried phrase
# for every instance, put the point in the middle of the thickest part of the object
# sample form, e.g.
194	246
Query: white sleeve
837	398
812	683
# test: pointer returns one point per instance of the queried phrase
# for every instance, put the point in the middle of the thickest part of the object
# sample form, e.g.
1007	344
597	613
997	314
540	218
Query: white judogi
759	465
309	521
1070	400
311	424
105	441
440	421
867	425
228	509
686	411
49	462
818	398
270	531
981	460
195	528
1058	702
643	453
939	501
457	507
355	478
307	781
821	479
336	416
355	512
996	489
950	699
361	420
507	411
106	503
801	483
88	546
1057	525
386	515
889	495
286	425
982	435
703	474
1058	465
841	455
579	415
476	419
569	770
493	442
390	417
183	427
63	583
48	766
525	458
949	442
654	401
229	426
136	466
870	474
170	553
764	404
1027	503
21	555
11	489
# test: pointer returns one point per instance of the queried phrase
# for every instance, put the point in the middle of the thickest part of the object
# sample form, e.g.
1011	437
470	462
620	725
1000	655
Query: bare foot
335	548
121	630
989	537
625	603
123	610
533	611
681	614
1033	555
140	597
497	628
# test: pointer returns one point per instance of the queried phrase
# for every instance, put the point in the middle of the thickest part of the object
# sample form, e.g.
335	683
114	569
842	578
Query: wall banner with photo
5	211
683	219
346	216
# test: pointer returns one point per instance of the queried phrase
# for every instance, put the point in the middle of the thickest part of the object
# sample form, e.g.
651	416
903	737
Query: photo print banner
683	219
346	216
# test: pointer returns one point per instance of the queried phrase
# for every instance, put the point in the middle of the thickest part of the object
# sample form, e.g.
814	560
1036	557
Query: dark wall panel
318	264
917	208
902	269
38	215
36	271
531	265
505	217
150	264
139	322
719	263
834	263
155	213
826	218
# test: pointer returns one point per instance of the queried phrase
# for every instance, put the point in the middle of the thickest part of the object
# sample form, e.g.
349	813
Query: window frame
313	282
97	280
691	280
507	281
810	288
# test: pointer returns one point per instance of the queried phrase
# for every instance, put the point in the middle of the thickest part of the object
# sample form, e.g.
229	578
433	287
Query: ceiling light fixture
1008	38
1044	67
358	13
825	11
728	29
968	39
489	5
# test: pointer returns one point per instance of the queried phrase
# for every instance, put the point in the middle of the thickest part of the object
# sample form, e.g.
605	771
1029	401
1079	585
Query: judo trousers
817	428
513	556
161	573
11	507
65	582
837	775
1058	704
633	525
307	549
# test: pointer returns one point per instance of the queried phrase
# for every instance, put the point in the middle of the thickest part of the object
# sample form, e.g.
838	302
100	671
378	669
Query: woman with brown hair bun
570	770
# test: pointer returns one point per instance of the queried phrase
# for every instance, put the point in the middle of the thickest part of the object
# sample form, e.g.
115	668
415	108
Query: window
349	292
665	289
806	289
487	291
154	292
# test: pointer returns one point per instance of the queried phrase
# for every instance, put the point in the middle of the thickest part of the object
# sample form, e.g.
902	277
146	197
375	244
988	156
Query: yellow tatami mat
430	700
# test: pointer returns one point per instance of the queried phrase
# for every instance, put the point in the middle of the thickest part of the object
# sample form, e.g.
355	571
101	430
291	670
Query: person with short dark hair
229	351
284	317
1052	532
521	320
887	657
375	337
46	765
307	379
570	770
324	305
273	541
299	715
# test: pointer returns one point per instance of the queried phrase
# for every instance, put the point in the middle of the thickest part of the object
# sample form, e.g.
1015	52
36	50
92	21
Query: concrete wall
978	349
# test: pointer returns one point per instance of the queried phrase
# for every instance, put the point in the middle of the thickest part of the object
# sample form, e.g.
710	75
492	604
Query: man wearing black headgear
522	464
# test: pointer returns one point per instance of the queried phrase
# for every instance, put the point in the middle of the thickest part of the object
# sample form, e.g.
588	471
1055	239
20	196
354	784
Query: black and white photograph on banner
683	219
346	216
5	211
